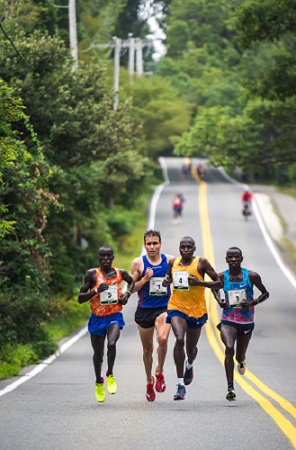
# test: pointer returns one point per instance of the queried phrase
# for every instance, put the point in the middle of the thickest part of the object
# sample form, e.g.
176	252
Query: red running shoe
150	392
160	385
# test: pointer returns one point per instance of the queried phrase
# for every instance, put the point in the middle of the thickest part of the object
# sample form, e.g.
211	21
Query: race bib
180	281
236	296
110	296
156	287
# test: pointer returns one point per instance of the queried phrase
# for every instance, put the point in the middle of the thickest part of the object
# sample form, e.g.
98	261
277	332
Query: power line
16	50
57	6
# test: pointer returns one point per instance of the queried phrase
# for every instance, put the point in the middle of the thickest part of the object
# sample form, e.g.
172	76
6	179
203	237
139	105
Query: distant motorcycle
247	210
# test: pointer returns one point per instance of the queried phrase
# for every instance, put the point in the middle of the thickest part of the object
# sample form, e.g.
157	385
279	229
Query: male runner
148	272
237	319
187	310
102	287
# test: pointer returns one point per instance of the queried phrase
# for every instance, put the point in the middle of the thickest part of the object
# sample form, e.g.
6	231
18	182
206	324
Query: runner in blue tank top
148	273
237	320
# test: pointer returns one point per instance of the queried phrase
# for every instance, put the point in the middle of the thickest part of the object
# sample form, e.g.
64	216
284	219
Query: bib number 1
156	287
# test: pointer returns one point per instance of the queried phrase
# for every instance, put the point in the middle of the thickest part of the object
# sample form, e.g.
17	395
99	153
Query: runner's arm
204	267
136	271
86	290
168	278
217	293
256	281
130	285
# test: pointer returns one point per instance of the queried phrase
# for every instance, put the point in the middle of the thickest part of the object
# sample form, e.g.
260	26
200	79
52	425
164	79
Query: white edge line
265	233
155	198
44	363
83	331
272	248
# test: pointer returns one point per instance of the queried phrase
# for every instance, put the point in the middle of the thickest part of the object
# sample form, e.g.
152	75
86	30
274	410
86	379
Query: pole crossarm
124	44
135	45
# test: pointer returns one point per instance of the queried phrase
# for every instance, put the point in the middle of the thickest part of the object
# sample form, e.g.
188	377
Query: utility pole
73	32
139	56
131	55
117	43
134	45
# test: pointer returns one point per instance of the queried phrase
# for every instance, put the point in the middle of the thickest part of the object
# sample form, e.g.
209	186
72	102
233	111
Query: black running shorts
145	317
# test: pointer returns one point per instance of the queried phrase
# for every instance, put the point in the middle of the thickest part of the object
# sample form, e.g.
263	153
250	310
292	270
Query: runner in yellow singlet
187	310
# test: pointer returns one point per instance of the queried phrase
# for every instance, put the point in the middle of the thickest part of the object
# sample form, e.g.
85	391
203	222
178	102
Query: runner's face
152	245
186	249
233	258
105	257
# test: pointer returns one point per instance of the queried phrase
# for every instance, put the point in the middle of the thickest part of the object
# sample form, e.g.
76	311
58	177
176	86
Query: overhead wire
14	47
57	6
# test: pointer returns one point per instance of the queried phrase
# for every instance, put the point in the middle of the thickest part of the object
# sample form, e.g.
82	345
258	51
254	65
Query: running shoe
241	367
160	385
181	391
150	392
100	392
231	395
188	376
111	384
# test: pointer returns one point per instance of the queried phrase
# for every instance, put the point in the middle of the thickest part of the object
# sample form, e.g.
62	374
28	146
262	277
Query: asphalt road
56	409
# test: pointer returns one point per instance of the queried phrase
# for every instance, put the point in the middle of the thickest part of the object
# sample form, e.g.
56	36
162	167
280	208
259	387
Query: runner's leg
179	326
229	336
98	347
146	336
162	334
113	333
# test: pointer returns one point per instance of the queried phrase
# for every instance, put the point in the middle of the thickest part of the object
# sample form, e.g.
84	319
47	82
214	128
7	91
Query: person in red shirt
247	196
247	201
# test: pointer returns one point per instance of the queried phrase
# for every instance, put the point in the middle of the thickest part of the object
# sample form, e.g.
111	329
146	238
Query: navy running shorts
192	322
242	328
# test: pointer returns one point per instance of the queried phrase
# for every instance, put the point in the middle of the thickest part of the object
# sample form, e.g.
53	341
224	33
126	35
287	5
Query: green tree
272	23
160	110
261	136
25	200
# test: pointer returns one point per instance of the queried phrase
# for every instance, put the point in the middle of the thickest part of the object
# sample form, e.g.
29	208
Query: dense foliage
25	200
235	61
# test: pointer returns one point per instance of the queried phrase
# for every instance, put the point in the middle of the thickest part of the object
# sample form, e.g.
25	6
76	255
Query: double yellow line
213	336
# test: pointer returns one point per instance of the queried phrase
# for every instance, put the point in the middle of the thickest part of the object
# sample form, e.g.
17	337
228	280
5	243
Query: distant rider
247	202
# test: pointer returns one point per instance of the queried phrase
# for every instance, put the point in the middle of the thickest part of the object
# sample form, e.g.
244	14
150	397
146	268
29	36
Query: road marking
281	421
44	363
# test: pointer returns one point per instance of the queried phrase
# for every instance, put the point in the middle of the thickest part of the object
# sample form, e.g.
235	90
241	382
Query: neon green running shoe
100	392
111	384
231	395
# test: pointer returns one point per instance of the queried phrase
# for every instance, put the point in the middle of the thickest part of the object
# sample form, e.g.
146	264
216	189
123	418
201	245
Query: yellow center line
281	421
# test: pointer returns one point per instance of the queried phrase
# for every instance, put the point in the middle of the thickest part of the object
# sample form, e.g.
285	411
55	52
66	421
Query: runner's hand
102	287
246	303
194	281
222	302
148	274
124	298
